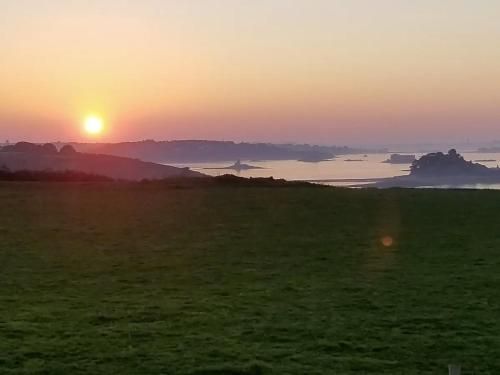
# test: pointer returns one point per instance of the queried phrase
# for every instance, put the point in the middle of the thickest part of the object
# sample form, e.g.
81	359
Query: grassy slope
101	279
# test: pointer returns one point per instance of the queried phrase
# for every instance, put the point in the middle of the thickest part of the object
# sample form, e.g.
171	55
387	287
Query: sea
343	170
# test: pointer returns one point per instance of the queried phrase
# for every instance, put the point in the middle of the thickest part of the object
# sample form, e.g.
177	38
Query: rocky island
239	166
439	169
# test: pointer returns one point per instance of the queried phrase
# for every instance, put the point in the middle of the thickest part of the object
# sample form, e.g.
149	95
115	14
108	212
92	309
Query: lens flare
387	241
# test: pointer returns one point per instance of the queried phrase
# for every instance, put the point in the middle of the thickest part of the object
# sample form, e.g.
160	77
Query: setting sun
93	125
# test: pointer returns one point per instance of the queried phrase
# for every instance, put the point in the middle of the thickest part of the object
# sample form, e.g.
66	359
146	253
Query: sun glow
93	125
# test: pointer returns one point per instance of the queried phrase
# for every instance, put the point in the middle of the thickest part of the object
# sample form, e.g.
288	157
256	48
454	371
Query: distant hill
192	151
27	156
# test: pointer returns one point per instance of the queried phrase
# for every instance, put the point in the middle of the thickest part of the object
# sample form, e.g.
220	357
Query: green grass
139	279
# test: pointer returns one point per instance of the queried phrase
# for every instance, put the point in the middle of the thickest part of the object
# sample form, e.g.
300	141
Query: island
316	157
400	159
239	166
440	169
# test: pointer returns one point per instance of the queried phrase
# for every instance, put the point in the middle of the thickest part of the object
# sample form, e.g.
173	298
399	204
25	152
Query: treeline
50	176
33	148
171	182
227	180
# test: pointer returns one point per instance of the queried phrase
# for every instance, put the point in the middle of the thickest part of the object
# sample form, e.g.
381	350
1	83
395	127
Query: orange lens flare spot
387	241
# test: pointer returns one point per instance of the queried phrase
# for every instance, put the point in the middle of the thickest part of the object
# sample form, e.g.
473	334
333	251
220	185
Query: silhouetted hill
191	151
26	156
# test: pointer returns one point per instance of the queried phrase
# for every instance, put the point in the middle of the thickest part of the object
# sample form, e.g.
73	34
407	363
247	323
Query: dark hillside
26	156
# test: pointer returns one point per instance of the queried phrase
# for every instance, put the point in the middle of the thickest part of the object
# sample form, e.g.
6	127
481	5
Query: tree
67	150
48	148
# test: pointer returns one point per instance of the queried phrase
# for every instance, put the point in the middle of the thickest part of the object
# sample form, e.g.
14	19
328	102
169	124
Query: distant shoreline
348	179
409	181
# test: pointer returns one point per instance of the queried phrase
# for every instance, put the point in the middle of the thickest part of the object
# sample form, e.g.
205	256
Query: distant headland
25	156
196	151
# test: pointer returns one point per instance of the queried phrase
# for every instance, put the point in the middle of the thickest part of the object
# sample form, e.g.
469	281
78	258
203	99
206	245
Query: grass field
139	279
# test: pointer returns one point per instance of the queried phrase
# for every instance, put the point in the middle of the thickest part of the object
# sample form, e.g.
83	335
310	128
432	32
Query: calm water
370	167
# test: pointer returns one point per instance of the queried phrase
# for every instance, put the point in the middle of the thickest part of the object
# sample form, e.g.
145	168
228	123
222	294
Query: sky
317	71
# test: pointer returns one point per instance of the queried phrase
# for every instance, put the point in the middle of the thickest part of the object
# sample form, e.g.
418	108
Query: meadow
116	278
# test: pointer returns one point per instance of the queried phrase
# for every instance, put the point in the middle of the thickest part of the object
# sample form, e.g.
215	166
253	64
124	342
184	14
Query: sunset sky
320	71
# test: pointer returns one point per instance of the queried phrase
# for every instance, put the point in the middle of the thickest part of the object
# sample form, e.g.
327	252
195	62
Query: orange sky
280	70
